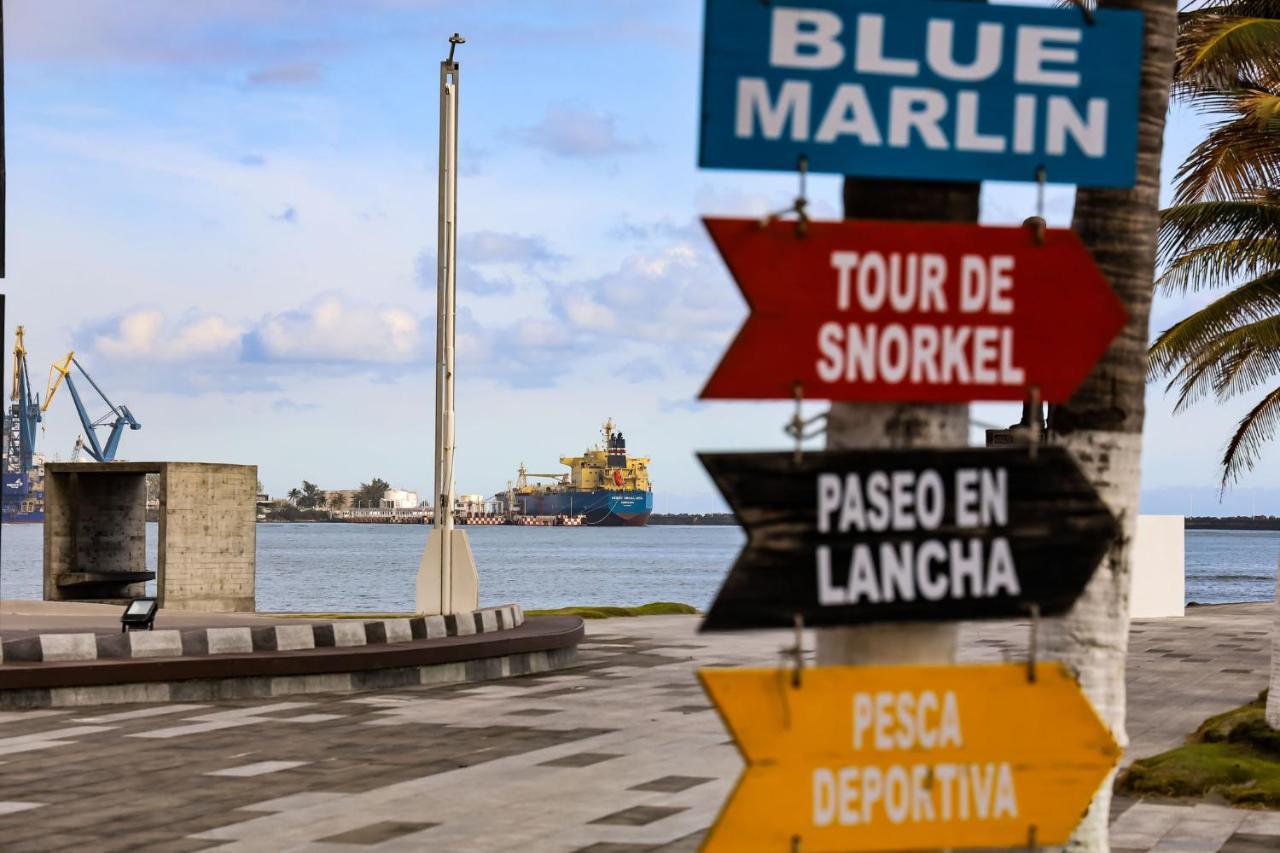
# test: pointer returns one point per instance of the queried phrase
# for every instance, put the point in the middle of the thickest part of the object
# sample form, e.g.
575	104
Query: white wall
1159	569
399	499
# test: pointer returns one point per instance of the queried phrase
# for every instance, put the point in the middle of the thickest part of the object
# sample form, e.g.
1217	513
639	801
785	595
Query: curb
198	642
540	645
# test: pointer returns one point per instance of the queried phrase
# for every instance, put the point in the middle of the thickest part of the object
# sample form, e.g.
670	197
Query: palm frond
1242	228
1237	156
1193	382
1247	315
1244	371
1215	265
1244	98
1228	365
1230	9
1213	51
1254	430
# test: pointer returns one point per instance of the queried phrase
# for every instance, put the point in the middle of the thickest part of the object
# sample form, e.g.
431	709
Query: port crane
25	409
116	418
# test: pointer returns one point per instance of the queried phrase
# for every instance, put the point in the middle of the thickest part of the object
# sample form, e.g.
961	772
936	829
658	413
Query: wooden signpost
907	758
858	536
912	758
911	312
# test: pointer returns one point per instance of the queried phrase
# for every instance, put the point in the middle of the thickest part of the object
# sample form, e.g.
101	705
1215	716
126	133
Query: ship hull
21	503
18	516
602	508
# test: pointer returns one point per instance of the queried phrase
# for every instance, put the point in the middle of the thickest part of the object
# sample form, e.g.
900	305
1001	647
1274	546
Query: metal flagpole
448	555
446	300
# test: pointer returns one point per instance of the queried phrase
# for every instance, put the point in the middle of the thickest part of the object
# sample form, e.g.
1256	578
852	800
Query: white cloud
146	333
676	299
500	247
331	329
576	132
584	311
204	336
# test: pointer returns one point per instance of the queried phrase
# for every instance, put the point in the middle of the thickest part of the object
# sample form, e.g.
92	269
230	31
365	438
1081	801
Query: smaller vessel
603	485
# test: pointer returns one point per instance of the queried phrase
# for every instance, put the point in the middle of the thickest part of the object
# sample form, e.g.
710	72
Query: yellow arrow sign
907	757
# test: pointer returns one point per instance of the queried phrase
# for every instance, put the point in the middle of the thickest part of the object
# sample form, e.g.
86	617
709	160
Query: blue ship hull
17	516
601	507
20	503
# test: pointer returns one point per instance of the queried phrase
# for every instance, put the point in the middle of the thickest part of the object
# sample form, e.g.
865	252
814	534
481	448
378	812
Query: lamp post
447	578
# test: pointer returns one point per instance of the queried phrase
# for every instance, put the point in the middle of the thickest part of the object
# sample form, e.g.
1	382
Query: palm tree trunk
1102	423
894	425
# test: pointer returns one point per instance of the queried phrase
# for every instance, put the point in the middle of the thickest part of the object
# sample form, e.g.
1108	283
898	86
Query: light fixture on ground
140	615
447	577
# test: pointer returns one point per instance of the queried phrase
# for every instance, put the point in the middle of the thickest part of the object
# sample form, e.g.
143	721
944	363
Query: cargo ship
603	485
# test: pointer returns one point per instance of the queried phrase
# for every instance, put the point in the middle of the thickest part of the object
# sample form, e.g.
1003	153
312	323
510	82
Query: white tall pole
446	299
446	548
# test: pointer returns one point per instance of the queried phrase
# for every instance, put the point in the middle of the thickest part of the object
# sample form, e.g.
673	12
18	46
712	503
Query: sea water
331	567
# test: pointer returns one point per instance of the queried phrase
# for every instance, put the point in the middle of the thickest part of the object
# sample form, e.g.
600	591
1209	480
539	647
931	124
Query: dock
423	515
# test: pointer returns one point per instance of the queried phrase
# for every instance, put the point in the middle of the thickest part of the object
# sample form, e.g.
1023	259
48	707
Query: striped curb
258	686
190	642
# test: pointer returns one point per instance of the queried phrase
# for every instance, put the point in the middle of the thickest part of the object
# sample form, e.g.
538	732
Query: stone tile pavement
620	755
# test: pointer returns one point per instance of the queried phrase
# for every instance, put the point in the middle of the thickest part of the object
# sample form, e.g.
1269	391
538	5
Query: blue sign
921	89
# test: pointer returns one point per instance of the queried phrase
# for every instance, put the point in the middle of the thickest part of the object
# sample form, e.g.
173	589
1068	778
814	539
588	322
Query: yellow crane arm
57	372
19	353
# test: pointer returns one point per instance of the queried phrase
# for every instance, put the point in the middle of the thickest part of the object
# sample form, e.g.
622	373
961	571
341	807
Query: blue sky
228	210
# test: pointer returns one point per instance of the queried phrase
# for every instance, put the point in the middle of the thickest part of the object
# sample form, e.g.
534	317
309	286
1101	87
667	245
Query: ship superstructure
604	485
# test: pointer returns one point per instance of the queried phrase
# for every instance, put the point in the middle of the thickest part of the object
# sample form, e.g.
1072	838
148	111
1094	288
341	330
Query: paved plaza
618	755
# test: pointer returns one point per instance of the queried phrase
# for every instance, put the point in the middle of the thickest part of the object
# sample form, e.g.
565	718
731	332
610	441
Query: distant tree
312	496
295	495
370	494
261	488
337	500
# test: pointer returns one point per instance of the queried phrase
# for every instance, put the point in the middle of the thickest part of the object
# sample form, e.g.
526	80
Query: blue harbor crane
23	495
24	409
116	418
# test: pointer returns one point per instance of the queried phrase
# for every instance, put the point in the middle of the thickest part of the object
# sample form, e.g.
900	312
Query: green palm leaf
1231	9
1224	365
1245	370
1249	313
1224	226
1214	51
1242	235
1253	432
1215	265
1193	381
1237	155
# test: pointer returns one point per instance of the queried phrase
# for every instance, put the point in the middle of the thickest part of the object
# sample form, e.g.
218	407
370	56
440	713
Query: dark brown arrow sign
858	536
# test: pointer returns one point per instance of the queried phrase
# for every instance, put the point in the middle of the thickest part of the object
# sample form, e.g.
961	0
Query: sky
227	209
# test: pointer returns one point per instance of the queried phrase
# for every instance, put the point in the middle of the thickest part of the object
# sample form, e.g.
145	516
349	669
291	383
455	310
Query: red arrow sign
911	312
